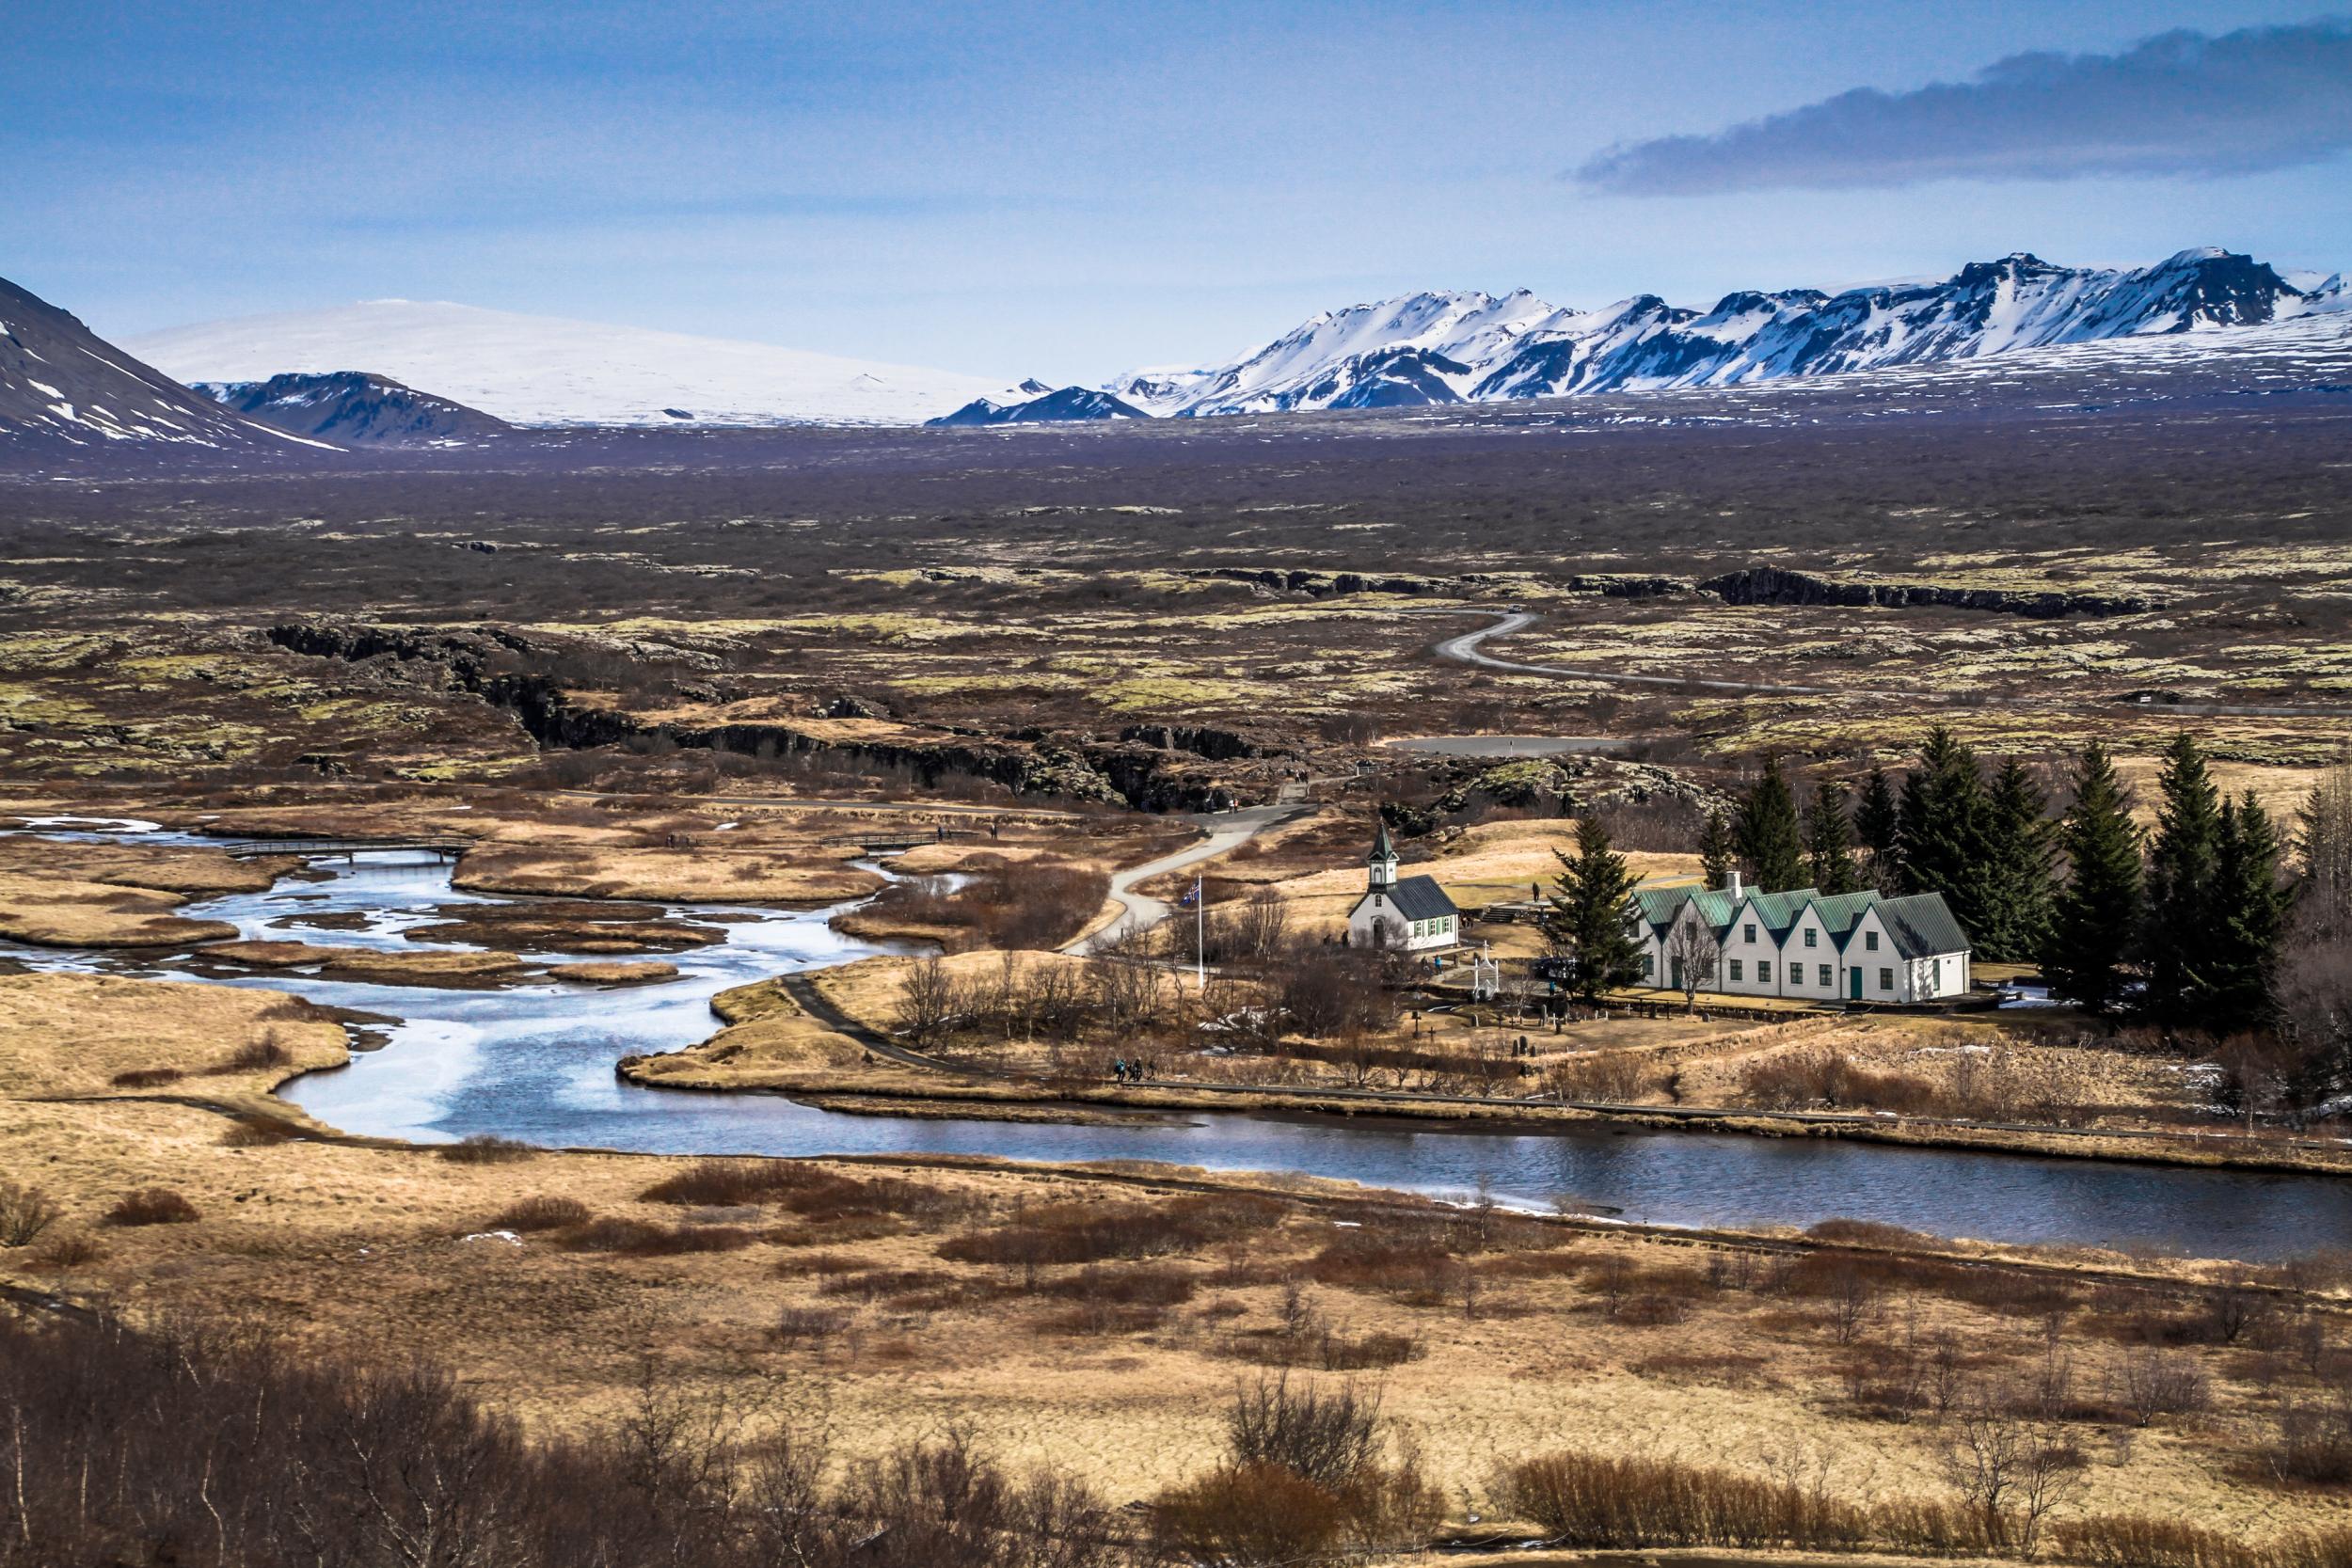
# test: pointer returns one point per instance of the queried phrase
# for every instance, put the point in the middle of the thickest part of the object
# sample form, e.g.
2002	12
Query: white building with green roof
1804	944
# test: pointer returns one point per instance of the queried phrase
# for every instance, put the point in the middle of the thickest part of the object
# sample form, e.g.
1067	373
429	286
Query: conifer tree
2178	936
2017	882
2250	910
1877	820
1719	851
1829	839
1943	837
1769	837
2097	918
1589	911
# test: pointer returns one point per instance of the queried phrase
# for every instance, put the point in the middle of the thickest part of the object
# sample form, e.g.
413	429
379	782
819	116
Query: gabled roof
1415	898
1383	847
1922	925
1840	913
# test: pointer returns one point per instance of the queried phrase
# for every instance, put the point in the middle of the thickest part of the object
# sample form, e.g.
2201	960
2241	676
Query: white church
1413	915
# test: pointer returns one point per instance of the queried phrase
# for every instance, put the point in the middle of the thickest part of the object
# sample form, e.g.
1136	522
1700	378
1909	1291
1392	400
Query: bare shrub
486	1148
1590	1500
2136	1541
796	1327
1325	1433
1095	1232
638	1238
255	1055
152	1206
2148	1383
2010	1472
67	1249
1600	1076
927	1002
147	1078
1249	1516
26	1212
544	1211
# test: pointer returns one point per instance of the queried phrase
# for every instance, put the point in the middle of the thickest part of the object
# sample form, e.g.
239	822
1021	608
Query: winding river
534	1062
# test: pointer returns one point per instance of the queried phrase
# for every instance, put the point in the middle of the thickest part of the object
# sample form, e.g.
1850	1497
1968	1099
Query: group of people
1133	1071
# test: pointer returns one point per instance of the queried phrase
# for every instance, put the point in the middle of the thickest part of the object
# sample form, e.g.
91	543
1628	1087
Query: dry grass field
1099	1319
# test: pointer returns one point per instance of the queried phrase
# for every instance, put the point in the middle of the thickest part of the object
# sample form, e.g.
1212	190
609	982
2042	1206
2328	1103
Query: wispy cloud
2177	103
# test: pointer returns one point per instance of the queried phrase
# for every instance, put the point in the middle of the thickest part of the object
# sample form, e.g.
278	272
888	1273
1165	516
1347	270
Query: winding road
1466	649
1139	912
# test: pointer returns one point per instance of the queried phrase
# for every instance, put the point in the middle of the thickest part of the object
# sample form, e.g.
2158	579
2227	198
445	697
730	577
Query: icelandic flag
1189	899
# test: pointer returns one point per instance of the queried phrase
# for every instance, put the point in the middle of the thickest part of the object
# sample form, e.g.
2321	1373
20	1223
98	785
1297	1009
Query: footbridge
350	848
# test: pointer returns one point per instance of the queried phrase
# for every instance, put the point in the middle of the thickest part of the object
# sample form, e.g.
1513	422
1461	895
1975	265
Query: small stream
534	1062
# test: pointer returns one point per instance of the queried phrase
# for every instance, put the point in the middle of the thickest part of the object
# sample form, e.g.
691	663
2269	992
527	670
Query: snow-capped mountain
62	387
1436	348
354	409
547	371
1047	407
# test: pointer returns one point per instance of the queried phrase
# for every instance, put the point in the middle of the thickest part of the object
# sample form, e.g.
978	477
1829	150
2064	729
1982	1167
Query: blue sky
1070	190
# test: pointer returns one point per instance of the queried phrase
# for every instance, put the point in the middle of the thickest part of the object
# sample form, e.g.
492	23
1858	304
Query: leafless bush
1607	1076
1326	1434
486	1148
2148	1383
927	1002
26	1212
147	1078
544	1211
796	1327
152	1206
2010	1473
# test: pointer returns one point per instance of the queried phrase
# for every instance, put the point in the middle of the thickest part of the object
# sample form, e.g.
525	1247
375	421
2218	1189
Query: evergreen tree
1877	820
1829	839
1719	851
2018	842
1771	839
2250	910
1944	838
2095	920
1589	910
2178	938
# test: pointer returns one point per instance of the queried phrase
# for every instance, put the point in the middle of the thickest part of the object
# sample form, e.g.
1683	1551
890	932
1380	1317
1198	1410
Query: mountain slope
1057	408
63	388
547	371
1440	347
354	409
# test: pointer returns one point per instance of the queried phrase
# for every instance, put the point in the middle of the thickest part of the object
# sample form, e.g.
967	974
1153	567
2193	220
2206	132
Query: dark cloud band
2179	103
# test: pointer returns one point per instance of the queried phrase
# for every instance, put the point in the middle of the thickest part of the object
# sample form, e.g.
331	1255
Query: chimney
1731	883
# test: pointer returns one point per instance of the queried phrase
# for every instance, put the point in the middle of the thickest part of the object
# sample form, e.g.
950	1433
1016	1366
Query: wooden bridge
350	848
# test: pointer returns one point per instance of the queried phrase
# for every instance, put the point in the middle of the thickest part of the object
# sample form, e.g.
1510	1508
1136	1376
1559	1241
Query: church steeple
1383	859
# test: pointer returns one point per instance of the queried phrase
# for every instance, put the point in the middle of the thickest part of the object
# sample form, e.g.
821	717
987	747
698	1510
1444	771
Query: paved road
1464	649
1226	829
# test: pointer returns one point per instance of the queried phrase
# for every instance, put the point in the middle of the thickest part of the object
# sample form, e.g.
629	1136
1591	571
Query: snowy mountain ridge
1468	346
549	371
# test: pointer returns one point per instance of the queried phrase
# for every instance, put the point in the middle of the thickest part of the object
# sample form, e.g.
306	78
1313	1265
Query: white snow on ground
95	824
547	370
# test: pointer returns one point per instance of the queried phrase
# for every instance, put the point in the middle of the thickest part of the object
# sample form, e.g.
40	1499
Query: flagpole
1201	934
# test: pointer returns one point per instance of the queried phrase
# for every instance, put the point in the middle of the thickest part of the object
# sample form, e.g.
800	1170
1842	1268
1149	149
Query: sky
1069	191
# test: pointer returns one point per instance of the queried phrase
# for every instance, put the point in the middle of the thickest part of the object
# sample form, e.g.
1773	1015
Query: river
534	1062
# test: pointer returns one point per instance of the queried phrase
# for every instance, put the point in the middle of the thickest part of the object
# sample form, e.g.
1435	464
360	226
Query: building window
1763	972
1649	963
1796	974
1808	936
1750	930
1735	969
1886	979
1870	941
1826	982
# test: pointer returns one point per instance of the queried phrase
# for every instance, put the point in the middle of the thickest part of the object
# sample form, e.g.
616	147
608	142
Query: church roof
1382	849
1417	898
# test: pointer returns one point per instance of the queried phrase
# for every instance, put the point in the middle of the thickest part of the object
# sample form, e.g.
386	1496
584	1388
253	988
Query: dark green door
1853	983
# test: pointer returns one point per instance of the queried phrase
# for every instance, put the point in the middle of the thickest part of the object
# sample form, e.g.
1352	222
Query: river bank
873	1288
